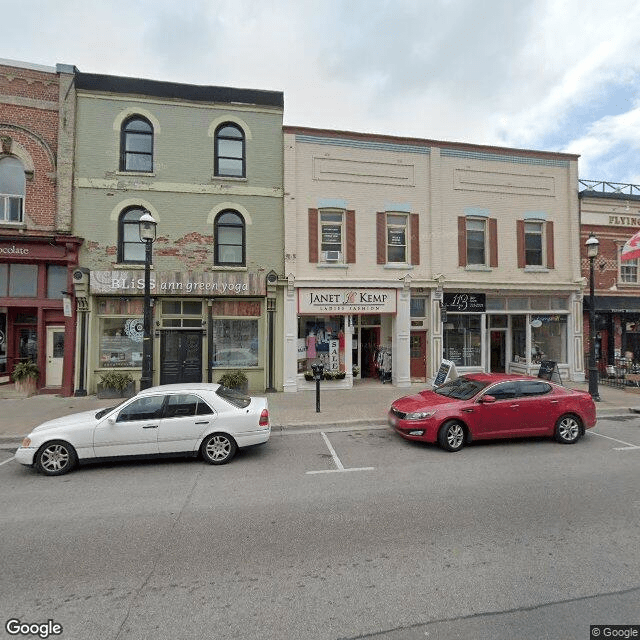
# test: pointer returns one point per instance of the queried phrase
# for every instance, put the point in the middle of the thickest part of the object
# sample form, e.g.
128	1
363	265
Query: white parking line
627	448
9	460
336	460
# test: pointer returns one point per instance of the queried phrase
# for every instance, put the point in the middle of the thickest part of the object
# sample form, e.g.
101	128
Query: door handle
203	422
467	411
150	426
555	401
515	406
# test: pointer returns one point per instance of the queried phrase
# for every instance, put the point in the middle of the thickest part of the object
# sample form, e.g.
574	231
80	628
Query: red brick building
37	249
611	211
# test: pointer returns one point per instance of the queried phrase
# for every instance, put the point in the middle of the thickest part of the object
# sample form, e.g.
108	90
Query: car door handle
467	411
150	426
555	401
203	422
515	406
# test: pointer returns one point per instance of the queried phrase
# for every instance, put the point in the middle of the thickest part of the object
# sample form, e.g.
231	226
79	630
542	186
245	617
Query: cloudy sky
558	75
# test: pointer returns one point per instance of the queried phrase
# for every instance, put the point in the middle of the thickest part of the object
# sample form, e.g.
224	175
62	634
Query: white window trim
322	260
407	245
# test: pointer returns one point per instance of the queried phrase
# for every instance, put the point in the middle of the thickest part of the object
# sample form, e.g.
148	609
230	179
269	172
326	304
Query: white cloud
523	74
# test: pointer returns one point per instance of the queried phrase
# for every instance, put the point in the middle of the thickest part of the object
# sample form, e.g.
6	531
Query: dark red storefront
35	322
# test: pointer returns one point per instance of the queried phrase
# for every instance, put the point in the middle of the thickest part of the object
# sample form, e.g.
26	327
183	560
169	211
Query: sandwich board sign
447	371
549	371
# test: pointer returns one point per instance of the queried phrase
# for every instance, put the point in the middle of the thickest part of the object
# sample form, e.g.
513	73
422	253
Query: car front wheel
451	436
218	448
567	430
55	458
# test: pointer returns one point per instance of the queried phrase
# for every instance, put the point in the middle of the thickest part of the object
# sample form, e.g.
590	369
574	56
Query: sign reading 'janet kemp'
356	301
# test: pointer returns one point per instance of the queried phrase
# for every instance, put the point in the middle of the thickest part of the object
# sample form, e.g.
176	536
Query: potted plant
115	384
235	380
25	375
308	376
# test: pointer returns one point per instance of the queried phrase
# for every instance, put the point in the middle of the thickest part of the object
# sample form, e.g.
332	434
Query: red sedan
483	406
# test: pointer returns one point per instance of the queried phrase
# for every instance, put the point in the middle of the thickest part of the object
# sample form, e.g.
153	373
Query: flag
631	248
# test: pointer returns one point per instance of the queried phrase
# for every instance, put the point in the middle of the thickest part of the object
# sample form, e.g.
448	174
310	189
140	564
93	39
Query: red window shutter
415	238
313	235
550	257
351	236
462	241
381	243
493	242
520	244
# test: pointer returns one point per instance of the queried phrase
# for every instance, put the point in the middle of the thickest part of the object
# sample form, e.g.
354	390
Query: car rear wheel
55	458
218	448
568	429
451	436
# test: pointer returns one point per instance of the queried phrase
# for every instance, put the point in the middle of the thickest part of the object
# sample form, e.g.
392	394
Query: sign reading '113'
465	302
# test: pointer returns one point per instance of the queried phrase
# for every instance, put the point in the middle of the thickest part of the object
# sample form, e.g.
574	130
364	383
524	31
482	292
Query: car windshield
461	388
103	412
234	397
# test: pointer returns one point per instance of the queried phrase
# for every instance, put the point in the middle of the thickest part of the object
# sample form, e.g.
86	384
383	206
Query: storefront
510	334
355	333
35	322
205	324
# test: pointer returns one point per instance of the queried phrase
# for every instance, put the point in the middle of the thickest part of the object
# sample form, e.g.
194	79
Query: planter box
26	387
108	392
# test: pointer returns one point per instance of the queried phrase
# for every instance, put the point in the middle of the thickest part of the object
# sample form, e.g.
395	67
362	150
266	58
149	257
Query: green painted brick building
207	163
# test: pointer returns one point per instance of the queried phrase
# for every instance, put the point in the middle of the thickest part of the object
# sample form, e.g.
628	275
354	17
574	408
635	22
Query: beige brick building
383	234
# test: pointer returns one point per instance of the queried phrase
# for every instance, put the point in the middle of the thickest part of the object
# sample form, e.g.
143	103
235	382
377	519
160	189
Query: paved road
333	535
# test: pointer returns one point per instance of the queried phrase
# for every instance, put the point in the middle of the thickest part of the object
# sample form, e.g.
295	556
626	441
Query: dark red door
418	354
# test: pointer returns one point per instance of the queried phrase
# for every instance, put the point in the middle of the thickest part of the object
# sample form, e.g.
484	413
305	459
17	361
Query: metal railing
624	372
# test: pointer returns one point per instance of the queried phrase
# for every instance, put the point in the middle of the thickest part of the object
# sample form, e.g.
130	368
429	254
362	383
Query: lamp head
147	227
593	245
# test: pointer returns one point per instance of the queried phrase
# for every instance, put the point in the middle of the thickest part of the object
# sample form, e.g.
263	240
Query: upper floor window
12	190
331	236
629	271
477	241
130	247
535	244
533	235
229	239
136	145
230	151
397	248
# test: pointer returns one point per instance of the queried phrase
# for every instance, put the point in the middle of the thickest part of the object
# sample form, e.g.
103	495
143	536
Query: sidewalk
366	404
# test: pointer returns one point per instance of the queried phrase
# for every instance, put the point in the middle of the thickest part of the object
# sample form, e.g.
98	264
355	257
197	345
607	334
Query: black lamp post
147	235
592	252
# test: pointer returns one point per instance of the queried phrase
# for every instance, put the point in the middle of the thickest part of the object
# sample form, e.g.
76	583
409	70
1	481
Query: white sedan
169	420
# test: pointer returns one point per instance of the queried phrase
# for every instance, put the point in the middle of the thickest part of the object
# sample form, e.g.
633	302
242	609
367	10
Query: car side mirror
111	419
487	399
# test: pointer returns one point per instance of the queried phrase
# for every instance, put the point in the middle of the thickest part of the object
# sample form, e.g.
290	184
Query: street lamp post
592	252
147	235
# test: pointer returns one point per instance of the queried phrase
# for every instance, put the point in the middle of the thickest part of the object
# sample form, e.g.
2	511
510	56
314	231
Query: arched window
12	190
136	145
229	239
230	151
130	247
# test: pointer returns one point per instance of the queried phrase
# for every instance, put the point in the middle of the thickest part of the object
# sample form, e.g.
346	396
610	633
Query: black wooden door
181	357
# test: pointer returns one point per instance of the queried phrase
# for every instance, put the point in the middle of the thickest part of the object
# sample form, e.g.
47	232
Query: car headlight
26	443
420	415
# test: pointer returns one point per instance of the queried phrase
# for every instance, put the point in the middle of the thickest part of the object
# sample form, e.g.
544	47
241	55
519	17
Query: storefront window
3	343
235	343
23	280
548	338
121	332
56	281
321	341
121	342
463	340
519	338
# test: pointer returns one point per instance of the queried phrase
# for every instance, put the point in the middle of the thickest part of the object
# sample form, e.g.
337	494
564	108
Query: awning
614	304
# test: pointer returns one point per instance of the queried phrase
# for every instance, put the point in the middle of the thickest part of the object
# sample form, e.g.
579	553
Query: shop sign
352	301
189	283
465	302
32	250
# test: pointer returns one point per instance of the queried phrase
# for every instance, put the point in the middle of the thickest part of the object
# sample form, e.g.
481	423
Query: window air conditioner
331	256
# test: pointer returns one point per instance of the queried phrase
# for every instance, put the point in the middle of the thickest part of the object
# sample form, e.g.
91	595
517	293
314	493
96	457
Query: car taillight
264	418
